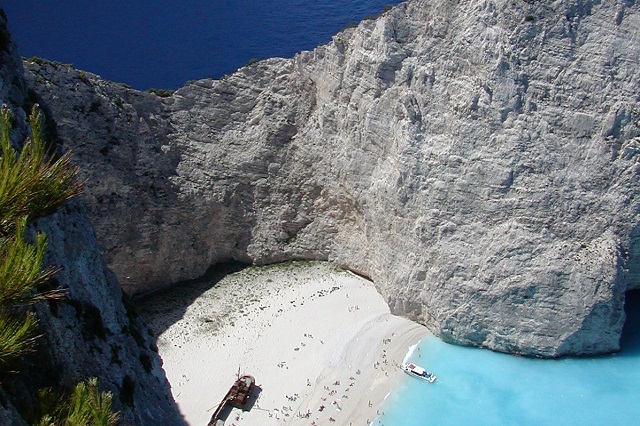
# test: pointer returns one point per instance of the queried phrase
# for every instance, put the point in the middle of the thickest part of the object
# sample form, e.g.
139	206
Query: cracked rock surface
477	159
90	332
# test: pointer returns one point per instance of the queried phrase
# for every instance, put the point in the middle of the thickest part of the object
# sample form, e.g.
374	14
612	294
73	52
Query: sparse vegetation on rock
163	93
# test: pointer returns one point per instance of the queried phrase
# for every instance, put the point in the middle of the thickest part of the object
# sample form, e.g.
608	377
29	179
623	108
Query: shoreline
320	342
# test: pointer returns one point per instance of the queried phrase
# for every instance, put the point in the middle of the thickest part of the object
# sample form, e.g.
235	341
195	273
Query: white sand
311	335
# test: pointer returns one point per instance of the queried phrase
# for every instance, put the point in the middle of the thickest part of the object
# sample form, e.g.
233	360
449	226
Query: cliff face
90	333
477	159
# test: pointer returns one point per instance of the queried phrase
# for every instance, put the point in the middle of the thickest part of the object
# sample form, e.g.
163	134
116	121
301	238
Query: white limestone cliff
476	158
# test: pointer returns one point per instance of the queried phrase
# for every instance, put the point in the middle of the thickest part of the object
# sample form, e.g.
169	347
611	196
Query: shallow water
166	43
481	387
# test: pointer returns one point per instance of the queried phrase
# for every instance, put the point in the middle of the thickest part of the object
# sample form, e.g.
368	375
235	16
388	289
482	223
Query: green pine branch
17	336
21	268
86	406
33	184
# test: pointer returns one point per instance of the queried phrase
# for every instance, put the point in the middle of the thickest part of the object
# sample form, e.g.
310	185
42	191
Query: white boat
418	372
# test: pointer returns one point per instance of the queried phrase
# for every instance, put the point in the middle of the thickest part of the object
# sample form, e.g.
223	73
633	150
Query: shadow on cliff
168	306
630	340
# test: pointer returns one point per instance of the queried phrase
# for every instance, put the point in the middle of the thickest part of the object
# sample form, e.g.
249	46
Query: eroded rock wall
89	333
477	159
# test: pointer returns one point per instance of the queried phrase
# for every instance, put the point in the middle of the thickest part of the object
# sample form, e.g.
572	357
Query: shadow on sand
168	306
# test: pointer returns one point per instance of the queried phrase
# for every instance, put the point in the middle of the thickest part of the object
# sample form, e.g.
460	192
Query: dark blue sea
163	44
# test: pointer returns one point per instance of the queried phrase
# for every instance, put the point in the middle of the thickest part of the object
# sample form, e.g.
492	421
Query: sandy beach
320	342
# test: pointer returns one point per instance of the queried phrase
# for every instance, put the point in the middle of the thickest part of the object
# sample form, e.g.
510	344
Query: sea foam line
409	353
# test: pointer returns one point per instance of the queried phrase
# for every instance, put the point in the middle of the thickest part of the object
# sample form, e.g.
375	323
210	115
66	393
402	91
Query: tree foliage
31	185
34	183
86	406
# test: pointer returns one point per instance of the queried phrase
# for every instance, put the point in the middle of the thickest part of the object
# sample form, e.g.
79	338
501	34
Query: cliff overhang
477	159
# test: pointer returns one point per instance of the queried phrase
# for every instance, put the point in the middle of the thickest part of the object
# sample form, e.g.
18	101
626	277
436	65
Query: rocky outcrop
90	333
94	331
476	158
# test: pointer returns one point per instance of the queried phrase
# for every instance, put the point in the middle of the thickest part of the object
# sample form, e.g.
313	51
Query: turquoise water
480	387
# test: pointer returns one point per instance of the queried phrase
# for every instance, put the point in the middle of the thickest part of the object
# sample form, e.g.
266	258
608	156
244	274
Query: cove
480	387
